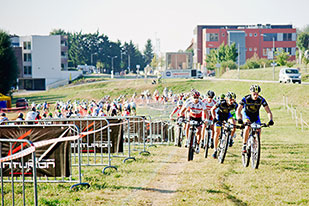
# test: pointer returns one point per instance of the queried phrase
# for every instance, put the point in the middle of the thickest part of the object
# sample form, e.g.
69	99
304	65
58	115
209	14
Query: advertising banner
52	160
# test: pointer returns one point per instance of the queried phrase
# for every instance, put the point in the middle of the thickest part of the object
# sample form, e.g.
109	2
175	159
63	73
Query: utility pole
273	58
238	61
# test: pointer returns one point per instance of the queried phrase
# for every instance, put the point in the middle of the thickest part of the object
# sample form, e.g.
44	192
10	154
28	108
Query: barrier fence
295	115
78	142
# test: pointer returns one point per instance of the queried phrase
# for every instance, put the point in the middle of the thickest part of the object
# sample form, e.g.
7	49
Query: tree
8	64
154	62
148	53
281	57
303	41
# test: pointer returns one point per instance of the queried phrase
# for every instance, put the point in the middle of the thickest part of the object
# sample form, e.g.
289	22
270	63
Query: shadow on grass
143	189
42	98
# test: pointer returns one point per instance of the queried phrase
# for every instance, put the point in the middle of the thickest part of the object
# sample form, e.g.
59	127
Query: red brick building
251	39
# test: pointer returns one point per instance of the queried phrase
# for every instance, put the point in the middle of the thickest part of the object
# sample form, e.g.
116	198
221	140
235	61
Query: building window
250	34
250	49
287	36
223	34
288	50
255	34
27	70
270	37
27	57
255	49
213	37
246	34
27	45
265	51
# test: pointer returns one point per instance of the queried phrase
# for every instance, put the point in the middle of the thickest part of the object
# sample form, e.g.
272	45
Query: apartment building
44	61
249	39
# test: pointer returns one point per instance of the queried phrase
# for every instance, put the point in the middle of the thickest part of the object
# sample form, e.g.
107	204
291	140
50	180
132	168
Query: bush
229	64
290	63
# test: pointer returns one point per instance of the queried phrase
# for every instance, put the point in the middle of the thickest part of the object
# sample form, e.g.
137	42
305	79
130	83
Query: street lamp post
273	58
238	61
112	72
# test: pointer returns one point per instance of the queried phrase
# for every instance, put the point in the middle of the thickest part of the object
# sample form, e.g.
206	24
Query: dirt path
163	186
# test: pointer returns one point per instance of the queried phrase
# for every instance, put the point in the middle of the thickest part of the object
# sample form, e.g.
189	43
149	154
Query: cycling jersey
209	105
223	111
196	110
252	107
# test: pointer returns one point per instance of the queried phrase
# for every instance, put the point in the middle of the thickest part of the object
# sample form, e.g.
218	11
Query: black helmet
20	115
210	94
255	88
231	95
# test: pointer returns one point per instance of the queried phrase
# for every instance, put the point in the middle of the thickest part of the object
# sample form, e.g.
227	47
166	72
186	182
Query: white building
45	62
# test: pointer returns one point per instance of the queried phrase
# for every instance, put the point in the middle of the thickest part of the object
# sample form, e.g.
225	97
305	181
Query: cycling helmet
222	96
196	94
20	115
210	94
179	103
231	95
255	88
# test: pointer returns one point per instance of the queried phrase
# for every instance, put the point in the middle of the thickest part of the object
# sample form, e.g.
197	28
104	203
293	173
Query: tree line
96	49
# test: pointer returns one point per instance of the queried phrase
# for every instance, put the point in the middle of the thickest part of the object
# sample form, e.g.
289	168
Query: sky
170	21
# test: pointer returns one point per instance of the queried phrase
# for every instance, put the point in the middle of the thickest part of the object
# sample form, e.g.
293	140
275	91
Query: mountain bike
207	137
192	137
253	146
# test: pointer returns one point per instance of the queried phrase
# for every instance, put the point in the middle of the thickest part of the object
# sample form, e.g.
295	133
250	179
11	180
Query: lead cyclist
250	106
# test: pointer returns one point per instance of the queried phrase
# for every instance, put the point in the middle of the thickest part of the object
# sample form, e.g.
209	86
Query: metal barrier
29	150
65	177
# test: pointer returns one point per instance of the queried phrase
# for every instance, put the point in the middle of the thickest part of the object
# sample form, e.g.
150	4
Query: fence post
144	139
301	122
296	120
129	147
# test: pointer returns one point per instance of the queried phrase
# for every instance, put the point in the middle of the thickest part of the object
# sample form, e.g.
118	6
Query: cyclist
196	108
177	110
250	106
209	103
223	107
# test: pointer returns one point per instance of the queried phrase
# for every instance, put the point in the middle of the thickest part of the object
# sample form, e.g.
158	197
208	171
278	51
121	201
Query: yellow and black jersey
253	106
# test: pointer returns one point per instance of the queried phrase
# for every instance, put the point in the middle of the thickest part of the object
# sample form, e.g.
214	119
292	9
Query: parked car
199	75
21	102
289	75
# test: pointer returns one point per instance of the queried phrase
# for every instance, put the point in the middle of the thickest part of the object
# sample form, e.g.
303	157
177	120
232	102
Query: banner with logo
98	141
52	160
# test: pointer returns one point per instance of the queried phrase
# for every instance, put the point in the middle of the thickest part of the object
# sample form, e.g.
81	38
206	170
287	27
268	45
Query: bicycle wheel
179	137
223	145
207	140
255	151
191	146
246	158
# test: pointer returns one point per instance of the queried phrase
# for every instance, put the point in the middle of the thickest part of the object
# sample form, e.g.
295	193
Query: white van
289	75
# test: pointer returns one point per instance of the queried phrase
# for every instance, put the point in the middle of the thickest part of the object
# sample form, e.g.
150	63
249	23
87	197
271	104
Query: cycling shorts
199	119
252	118
222	118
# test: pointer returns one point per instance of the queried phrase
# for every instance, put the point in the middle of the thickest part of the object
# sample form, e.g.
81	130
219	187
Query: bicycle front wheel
223	145
207	140
191	146
255	151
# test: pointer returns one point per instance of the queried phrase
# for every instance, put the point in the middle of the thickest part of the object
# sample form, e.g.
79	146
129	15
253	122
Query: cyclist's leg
246	119
199	136
217	133
232	121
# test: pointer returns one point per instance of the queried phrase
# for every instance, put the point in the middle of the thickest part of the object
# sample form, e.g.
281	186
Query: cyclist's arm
213	111
269	113
182	111
173	112
238	111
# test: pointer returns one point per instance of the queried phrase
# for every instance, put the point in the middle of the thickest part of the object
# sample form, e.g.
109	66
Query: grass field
166	178
262	74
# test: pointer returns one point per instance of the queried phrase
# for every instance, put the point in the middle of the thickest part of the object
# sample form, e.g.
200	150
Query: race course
165	177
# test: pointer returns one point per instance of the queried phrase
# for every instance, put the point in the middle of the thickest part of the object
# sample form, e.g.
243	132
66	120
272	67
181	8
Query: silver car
291	75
